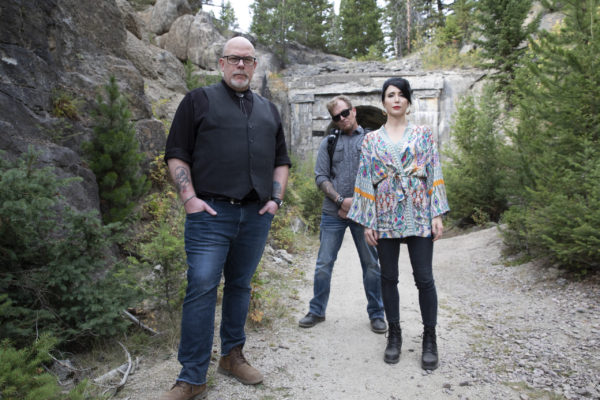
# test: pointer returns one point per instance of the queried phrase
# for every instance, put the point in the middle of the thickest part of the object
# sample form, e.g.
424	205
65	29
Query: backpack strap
332	140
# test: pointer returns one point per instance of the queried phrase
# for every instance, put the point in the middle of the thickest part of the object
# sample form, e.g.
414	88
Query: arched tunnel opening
368	117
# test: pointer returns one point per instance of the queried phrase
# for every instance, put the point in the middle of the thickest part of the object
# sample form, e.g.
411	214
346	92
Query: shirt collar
358	131
247	93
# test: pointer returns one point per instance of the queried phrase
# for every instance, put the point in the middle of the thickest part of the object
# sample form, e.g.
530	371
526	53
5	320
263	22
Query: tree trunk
408	26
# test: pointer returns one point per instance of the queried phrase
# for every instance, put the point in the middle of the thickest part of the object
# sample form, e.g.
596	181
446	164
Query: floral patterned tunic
399	187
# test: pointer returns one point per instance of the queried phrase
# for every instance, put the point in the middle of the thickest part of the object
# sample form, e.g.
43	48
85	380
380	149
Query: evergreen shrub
475	173
22	374
114	155
558	141
55	261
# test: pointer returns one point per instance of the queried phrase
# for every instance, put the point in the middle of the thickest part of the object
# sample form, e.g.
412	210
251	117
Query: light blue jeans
332	235
229	244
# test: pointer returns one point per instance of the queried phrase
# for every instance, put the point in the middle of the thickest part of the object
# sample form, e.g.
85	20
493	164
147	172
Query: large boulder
194	38
205	43
156	64
165	12
133	23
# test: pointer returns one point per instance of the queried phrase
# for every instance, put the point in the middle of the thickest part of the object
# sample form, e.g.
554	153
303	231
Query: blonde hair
331	104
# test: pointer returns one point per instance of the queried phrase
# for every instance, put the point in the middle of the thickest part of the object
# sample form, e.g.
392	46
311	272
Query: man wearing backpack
335	172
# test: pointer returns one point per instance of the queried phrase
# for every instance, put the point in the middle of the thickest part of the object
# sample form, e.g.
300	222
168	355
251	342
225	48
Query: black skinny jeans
420	251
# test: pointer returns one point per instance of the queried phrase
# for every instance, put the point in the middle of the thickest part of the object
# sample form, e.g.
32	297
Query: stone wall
435	98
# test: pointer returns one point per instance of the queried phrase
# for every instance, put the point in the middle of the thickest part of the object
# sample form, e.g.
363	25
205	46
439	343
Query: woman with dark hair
400	197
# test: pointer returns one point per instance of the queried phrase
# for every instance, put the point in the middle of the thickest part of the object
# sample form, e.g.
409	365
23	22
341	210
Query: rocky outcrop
133	23
164	13
194	38
62	45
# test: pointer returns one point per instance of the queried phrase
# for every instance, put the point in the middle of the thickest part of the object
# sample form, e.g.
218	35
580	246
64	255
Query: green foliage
114	155
140	5
160	247
476	173
275	23
361	28
459	25
193	80
226	21
447	57
64	105
305	193
54	261
303	202
164	257
22	375
444	50
411	24
557	141
308	28
500	22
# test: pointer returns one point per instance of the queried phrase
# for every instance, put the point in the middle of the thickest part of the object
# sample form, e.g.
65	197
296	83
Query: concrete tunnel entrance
367	116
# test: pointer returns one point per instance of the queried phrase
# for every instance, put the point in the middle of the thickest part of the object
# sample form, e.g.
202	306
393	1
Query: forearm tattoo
182	178
276	190
327	188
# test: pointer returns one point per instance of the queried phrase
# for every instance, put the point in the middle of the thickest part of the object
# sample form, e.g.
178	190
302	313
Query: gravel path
519	332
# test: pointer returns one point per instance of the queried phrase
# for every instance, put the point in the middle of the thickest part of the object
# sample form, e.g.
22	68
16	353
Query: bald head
238	63
235	42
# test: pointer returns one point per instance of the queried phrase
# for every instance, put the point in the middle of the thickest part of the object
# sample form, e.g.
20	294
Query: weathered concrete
435	97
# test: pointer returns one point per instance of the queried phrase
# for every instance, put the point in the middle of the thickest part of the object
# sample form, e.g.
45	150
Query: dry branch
139	323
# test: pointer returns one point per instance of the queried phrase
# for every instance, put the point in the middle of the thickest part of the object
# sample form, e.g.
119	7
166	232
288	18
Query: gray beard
239	85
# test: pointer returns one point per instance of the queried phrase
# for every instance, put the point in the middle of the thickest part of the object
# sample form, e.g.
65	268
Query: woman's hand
437	227
371	236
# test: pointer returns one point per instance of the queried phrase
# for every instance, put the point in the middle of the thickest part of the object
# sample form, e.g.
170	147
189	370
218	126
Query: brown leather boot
235	364
185	391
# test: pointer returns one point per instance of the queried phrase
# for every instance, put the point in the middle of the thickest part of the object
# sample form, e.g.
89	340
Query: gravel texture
504	332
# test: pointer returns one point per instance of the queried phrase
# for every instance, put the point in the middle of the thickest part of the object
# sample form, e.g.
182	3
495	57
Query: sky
242	11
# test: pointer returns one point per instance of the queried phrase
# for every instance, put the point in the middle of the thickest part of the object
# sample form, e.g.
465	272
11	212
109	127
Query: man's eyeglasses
345	113
235	60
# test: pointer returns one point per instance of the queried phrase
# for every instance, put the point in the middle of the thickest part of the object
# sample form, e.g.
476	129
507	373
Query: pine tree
55	261
361	28
476	172
227	19
333	35
412	23
275	23
114	155
396	16
500	22
308	28
558	140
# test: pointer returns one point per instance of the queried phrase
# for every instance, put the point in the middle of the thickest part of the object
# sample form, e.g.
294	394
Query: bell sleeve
363	209
435	178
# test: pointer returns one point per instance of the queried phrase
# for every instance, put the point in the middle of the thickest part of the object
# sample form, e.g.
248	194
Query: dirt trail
503	333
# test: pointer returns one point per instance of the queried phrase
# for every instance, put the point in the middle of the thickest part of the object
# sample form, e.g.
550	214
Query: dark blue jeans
332	235
420	251
229	244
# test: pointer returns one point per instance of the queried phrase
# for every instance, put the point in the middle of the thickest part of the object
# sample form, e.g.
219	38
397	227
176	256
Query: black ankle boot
394	344
429	358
